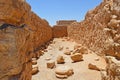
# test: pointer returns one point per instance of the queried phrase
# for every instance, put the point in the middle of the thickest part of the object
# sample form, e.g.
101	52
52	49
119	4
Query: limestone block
93	67
67	52
77	57
50	64
60	60
63	71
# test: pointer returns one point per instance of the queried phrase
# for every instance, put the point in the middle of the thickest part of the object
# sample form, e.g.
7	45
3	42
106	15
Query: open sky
54	10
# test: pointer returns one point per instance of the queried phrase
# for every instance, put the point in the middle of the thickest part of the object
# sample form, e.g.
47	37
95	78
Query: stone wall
65	22
99	29
59	31
16	42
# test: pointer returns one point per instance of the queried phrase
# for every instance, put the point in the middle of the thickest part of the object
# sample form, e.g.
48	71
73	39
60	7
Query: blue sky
54	10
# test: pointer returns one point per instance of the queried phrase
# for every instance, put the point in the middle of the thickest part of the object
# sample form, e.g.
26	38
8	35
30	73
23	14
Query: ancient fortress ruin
23	35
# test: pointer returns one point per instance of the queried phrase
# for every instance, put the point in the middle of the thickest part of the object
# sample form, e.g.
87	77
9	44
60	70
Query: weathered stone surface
17	44
59	31
14	53
112	70
76	57
63	71
90	32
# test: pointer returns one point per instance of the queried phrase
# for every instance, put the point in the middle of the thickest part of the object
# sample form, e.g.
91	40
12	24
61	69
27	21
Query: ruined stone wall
65	22
59	31
17	43
99	29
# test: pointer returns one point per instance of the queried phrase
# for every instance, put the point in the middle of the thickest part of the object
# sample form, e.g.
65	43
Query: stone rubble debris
77	57
51	64
60	60
63	71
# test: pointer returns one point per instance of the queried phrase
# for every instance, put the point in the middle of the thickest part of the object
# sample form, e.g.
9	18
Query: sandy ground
81	71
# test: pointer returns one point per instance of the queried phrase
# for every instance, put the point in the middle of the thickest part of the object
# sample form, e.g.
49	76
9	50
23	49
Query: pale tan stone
63	71
93	67
76	57
67	52
60	60
50	64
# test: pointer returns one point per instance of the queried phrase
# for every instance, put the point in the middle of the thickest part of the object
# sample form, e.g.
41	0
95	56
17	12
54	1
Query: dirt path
81	71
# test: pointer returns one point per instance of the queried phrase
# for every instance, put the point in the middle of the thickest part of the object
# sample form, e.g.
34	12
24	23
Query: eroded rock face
17	44
14	54
92	31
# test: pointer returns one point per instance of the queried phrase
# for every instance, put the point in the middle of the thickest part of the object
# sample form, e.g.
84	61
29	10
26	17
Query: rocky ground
81	69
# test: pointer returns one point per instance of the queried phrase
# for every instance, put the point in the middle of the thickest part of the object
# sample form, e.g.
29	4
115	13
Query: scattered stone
77	57
93	67
61	48
67	52
51	64
60	60
63	71
34	61
35	70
